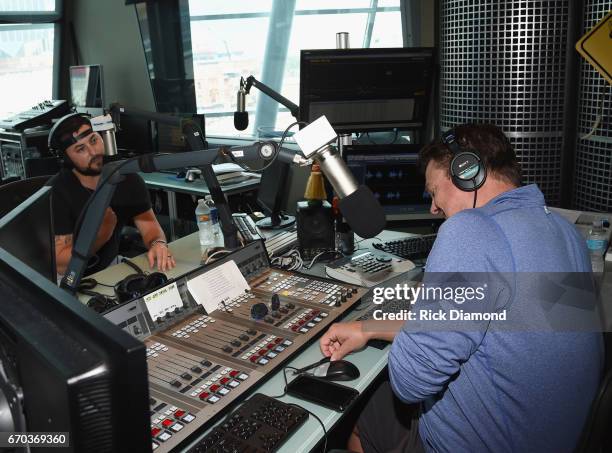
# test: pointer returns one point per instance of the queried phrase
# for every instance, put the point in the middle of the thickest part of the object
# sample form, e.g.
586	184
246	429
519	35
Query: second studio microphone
241	116
358	204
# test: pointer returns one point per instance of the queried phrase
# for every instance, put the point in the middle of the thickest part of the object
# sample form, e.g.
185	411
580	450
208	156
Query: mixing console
200	362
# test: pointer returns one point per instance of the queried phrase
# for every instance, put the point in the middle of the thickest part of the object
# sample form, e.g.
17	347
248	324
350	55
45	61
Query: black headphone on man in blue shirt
467	169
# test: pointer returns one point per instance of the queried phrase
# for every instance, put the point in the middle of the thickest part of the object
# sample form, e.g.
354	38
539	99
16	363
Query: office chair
16	192
596	434
41	166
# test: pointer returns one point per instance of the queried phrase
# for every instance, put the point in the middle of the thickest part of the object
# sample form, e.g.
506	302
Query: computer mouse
338	370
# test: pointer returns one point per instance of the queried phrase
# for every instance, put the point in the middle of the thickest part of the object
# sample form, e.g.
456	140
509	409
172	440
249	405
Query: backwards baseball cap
61	134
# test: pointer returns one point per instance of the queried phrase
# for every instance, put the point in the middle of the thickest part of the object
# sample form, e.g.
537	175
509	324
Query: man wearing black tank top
82	150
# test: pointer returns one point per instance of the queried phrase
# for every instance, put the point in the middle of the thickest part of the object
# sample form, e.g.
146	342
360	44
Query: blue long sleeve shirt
496	390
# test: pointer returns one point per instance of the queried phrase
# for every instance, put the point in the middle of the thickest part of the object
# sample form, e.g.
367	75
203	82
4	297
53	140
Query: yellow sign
596	47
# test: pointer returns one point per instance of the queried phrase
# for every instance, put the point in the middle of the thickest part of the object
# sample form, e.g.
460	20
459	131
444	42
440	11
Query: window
263	38
27	47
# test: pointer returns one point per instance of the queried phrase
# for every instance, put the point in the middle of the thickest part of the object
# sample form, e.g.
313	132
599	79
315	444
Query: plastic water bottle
597	242
205	225
214	218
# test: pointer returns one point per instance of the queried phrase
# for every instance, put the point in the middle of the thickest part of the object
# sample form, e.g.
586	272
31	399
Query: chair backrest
15	193
597	433
41	166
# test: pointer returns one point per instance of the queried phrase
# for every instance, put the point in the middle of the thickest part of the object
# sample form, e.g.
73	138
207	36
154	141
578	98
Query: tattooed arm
63	243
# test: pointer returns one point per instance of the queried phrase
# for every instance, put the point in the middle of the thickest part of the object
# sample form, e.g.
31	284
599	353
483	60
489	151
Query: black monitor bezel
374	53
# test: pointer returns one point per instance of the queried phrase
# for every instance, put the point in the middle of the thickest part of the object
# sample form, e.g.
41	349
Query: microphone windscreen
241	120
363	212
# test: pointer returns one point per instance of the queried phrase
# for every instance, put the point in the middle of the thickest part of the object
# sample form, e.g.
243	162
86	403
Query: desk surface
370	361
169	181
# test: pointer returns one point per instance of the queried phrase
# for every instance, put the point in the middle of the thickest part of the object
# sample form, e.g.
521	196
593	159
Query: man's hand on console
160	254
343	338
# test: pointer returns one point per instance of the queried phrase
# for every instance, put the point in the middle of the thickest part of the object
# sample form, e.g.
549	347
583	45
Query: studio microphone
241	116
357	204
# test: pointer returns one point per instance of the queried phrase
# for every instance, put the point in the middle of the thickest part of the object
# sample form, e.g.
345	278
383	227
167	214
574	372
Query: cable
285	379
309	266
214	254
599	117
320	422
395	137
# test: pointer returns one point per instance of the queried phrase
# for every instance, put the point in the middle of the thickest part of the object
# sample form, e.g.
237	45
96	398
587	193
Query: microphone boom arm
251	81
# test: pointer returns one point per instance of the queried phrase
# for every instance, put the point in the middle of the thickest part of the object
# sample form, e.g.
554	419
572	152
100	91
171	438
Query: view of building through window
230	40
26	57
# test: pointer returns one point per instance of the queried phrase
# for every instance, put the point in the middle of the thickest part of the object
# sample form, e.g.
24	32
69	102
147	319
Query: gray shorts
387	425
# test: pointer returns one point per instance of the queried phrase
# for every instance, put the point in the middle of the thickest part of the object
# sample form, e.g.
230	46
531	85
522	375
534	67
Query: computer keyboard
417	247
262	424
282	242
246	227
367	268
392	306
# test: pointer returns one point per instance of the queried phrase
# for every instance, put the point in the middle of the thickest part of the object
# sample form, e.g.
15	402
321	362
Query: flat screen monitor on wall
363	90
86	87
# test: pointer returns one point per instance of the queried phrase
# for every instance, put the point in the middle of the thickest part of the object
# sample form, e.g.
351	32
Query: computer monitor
67	369
135	135
27	230
392	173
272	193
141	135
362	90
86	86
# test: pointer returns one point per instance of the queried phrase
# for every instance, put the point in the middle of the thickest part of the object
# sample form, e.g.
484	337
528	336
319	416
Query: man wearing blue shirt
485	389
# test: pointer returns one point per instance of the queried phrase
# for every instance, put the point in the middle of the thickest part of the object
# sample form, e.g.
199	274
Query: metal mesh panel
593	170
503	62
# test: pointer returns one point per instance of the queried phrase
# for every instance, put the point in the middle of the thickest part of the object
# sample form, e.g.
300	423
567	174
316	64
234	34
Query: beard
91	170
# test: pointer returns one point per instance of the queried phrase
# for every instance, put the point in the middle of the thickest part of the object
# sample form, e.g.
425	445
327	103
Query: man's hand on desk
160	254
346	337
343	338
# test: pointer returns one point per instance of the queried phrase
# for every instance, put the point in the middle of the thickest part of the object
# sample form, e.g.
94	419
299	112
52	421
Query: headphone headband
56	143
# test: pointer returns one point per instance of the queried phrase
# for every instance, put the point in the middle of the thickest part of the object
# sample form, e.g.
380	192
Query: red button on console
224	380
167	422
278	340
214	388
234	373
155	431
204	395
179	413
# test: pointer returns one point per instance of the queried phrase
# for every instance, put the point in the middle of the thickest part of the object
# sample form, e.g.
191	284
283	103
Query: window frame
275	73
21	18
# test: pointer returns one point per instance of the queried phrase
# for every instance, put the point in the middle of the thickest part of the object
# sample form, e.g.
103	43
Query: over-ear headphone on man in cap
59	139
467	170
136	285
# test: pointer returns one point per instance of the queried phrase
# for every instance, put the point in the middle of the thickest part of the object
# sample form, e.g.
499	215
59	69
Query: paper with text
220	284
164	300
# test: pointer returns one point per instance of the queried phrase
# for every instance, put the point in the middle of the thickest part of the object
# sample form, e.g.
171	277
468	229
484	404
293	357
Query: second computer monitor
86	87
272	191
27	230
393	174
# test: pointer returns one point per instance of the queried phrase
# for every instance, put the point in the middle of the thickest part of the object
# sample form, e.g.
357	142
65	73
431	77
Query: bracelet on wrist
158	241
